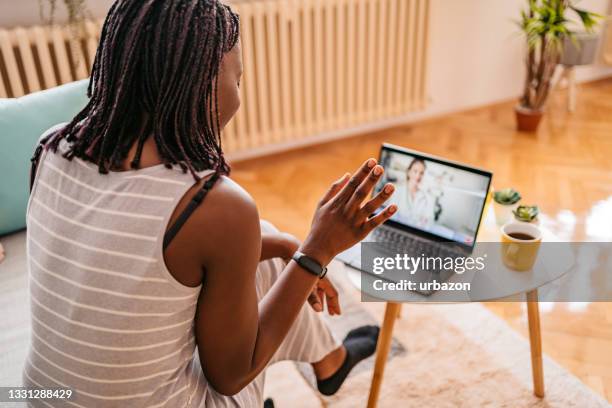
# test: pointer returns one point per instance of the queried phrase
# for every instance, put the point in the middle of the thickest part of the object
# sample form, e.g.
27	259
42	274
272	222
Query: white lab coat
417	210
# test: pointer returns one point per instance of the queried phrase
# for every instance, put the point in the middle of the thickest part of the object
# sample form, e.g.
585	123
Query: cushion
22	122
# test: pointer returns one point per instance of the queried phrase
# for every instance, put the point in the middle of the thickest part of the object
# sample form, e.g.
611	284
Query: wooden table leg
535	341
382	351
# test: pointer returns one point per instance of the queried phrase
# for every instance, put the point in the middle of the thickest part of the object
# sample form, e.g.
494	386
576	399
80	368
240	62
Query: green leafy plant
507	196
545	24
526	213
77	13
76	9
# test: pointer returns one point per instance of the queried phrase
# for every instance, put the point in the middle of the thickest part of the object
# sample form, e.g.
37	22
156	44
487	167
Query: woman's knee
267	226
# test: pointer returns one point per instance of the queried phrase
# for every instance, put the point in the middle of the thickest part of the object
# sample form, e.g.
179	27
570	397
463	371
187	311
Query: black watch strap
309	264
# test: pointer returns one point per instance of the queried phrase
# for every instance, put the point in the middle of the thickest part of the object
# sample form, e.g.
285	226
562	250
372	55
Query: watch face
311	265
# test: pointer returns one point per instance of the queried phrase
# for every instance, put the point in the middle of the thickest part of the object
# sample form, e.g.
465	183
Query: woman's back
108	318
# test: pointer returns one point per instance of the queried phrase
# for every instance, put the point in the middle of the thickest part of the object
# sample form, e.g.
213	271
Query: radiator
311	67
41	57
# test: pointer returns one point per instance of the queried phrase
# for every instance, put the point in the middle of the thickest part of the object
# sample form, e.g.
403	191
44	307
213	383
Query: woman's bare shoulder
229	202
228	213
224	224
230	217
228	191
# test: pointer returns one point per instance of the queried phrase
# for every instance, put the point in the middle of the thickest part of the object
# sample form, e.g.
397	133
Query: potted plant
546	25
527	213
75	9
505	201
76	14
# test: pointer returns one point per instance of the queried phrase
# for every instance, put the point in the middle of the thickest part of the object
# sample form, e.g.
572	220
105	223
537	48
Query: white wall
476	52
27	12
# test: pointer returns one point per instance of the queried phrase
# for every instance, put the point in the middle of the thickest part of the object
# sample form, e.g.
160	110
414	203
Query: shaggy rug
456	355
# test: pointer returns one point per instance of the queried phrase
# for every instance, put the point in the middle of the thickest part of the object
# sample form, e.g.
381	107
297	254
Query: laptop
439	207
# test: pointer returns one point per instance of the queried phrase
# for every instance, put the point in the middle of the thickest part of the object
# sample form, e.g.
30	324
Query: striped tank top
109	321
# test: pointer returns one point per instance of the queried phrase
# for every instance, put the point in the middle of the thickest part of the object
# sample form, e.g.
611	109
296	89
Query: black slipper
360	343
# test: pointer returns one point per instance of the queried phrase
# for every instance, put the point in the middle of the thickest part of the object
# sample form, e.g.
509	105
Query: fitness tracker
309	264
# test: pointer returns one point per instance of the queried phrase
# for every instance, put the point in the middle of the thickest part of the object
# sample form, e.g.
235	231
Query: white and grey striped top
108	319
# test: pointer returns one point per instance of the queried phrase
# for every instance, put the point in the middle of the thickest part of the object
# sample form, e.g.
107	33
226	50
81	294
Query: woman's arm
278	245
236	335
284	245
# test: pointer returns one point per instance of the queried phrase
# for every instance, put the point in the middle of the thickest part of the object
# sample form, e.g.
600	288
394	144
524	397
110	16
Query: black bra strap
34	166
191	207
35	160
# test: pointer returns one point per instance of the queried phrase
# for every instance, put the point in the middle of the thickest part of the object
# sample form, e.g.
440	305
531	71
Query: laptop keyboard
399	242
393	241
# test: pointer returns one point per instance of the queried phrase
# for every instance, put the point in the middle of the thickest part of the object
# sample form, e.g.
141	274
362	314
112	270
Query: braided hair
156	65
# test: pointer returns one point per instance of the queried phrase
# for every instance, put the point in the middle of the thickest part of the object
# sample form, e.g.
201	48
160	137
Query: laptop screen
435	196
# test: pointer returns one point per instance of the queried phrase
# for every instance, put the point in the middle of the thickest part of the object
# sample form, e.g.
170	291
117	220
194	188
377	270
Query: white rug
456	355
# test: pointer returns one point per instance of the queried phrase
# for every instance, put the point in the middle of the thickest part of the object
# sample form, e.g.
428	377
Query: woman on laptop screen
435	195
418	202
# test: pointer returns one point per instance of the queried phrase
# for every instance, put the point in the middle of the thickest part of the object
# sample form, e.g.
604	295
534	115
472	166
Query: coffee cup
520	242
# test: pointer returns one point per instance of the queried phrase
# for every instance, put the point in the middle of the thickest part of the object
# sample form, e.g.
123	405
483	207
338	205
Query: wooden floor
566	168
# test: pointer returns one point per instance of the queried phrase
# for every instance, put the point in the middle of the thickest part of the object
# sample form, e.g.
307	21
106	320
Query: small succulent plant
526	213
507	196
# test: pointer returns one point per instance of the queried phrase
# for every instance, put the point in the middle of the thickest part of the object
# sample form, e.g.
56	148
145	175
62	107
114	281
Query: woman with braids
153	282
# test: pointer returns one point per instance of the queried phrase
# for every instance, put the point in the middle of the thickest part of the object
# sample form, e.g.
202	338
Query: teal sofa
22	121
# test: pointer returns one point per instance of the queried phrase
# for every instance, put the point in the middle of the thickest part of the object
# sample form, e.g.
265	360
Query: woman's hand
324	291
283	245
278	245
341	220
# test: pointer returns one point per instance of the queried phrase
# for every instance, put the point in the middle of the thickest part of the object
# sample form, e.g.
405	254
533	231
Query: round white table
500	283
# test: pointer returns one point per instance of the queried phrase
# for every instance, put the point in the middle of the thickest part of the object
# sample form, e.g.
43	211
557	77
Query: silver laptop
440	204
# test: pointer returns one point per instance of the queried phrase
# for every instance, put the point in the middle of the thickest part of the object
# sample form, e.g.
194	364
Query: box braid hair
158	60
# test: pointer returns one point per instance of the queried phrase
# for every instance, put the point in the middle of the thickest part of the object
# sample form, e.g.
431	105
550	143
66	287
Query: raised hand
342	219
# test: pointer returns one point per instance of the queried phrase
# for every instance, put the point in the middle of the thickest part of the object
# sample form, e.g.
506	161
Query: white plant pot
503	213
580	51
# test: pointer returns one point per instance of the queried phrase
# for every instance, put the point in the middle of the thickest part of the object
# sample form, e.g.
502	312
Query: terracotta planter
527	120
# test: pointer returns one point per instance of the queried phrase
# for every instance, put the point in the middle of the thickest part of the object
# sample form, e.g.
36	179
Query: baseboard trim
410	118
